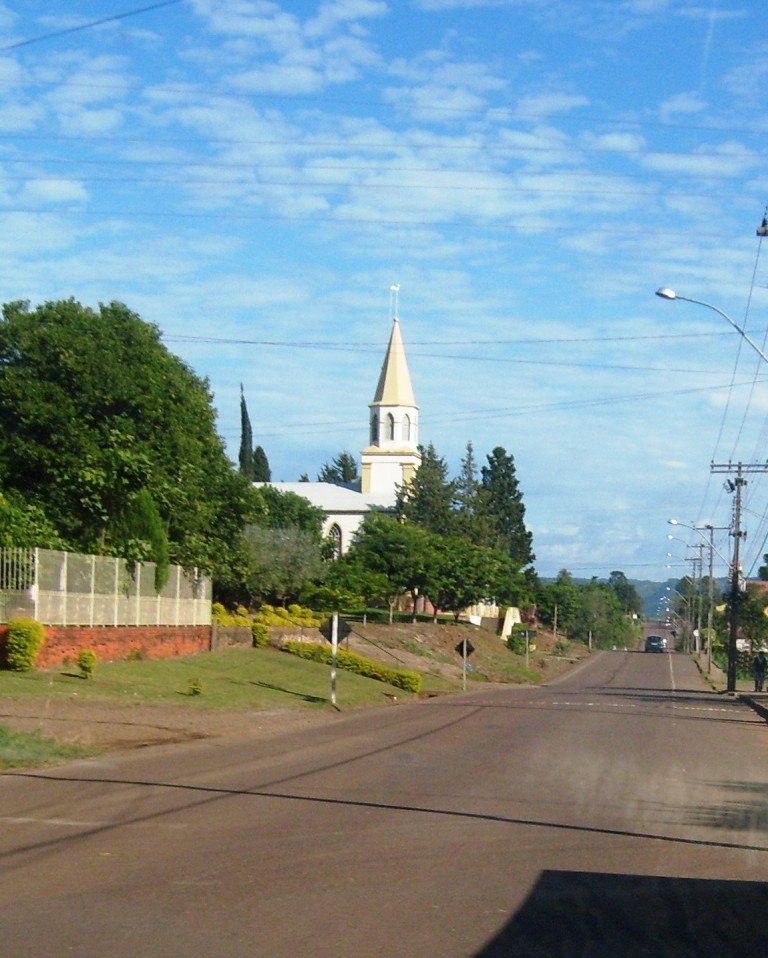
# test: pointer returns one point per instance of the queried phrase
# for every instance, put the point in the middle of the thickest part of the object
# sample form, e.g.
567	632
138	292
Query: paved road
622	810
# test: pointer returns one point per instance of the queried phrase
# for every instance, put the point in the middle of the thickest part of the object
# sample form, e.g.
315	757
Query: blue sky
252	177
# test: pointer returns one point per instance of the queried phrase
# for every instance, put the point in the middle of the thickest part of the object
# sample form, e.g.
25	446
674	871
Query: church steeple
392	457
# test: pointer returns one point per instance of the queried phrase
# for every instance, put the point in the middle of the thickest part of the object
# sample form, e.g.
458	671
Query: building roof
394	388
335	499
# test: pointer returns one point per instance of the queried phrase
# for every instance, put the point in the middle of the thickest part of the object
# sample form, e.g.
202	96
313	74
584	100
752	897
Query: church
390	459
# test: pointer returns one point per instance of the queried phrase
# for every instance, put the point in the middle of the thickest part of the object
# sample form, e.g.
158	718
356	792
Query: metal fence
65	588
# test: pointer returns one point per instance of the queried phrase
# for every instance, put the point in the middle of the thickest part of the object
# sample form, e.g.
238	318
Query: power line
87	26
326	344
399	145
435	222
366	185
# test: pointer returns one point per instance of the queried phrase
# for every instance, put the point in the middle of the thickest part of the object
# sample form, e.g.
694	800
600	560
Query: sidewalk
744	687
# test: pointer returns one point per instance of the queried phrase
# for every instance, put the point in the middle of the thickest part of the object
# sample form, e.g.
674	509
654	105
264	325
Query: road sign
344	628
465	647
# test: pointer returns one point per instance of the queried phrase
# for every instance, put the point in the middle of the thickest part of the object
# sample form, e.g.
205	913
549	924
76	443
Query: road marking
635	705
671	674
61	822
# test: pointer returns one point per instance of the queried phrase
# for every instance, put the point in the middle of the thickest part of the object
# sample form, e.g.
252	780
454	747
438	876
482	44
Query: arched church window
374	429
334	534
390	426
407	428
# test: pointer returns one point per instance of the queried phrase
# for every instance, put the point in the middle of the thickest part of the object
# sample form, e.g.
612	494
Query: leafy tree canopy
94	409
26	527
282	510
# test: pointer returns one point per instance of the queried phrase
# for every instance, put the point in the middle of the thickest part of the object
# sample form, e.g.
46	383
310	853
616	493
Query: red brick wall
118	642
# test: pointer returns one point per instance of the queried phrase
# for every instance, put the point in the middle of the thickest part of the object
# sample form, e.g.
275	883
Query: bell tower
392	456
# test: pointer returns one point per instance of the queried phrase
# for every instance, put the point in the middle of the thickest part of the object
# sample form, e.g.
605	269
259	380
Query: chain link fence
66	588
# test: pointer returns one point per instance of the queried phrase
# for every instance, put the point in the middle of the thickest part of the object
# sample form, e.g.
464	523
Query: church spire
394	387
393	456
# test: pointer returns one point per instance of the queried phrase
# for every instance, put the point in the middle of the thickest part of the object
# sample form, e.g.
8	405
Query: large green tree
473	520
93	410
630	599
502	504
428	500
396	551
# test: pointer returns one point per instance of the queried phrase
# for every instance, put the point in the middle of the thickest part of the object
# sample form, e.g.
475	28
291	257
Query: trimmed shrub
351	662
293	615
222	616
86	662
195	686
23	642
260	634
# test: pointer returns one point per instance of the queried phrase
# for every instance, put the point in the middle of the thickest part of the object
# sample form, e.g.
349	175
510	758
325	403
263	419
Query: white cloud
546	104
681	104
53	191
335	13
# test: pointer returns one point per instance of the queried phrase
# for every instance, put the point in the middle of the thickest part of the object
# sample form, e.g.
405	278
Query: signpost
334	649
334	629
465	649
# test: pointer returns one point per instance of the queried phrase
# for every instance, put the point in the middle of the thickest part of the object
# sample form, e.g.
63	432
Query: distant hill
651	592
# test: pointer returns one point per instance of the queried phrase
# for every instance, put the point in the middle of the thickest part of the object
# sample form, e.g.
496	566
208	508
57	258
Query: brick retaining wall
111	643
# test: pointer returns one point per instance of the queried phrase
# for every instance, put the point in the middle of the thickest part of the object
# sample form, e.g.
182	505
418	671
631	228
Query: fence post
116	595
93	590
64	584
36	585
138	593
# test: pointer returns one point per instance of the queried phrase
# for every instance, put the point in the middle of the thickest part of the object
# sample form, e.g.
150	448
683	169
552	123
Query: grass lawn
30	749
231	679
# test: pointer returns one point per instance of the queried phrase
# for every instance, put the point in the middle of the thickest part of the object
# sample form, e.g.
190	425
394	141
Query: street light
666	293
685	619
699	530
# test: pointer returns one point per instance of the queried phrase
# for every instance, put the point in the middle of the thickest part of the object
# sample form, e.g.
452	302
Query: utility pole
735	486
711	590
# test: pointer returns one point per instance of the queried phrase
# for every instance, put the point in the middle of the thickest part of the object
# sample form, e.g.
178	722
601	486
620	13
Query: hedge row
350	662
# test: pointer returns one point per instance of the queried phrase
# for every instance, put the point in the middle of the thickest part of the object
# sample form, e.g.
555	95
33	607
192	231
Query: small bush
517	642
86	662
23	642
351	662
137	655
195	686
260	634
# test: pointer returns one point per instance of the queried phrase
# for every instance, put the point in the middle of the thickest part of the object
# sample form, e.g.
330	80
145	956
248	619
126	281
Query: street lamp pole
666	293
735	486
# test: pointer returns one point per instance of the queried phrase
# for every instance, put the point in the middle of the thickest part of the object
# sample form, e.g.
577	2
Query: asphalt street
622	810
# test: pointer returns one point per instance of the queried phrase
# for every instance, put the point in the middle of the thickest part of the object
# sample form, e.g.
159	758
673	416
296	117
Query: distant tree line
605	612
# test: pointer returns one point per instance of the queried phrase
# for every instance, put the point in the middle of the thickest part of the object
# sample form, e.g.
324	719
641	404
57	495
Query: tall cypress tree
246	440
502	503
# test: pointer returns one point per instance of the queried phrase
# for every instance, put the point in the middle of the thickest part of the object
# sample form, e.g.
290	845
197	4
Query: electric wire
54	34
